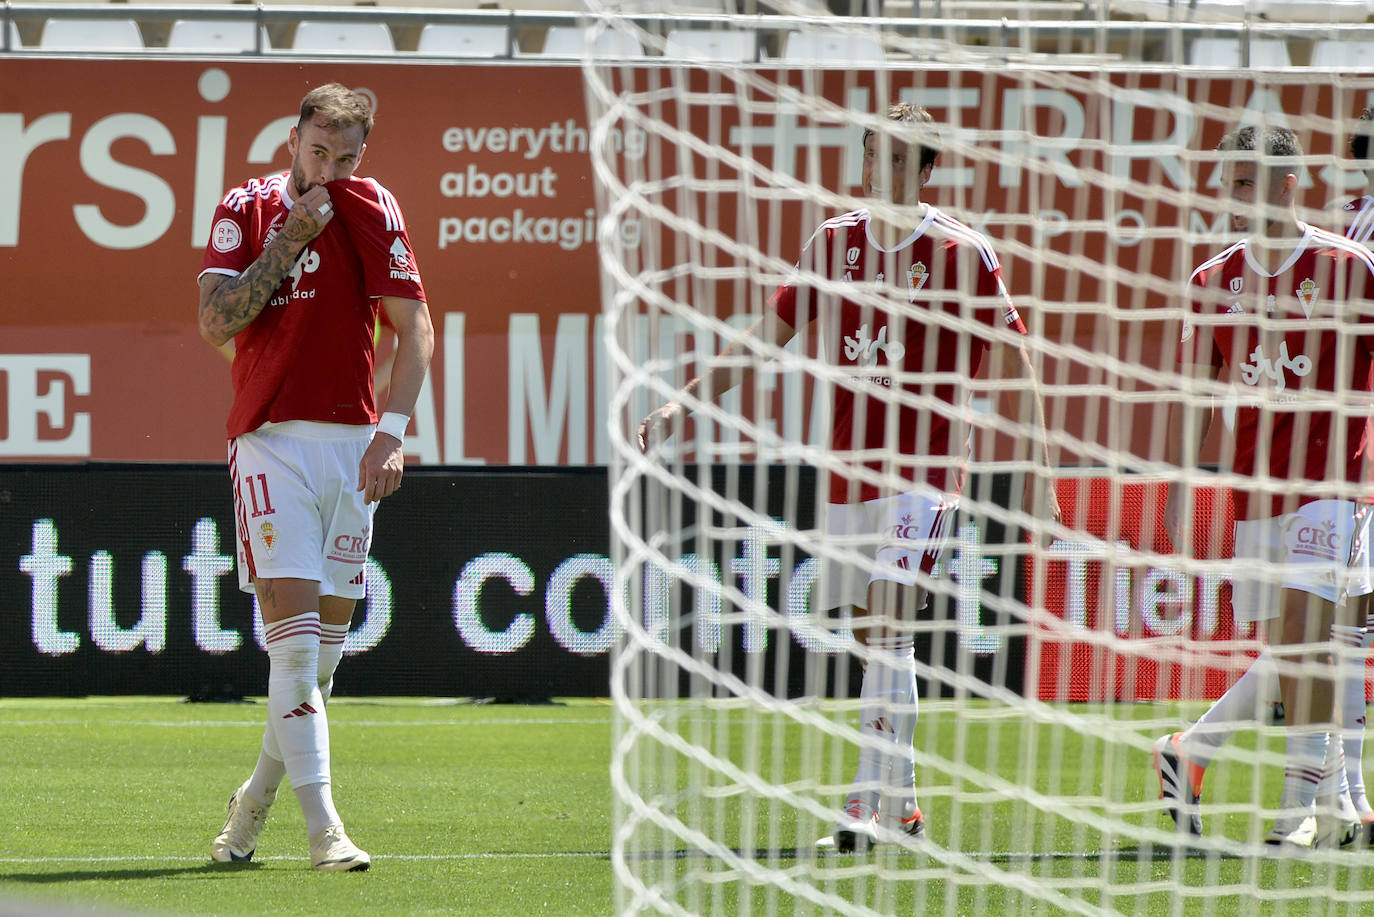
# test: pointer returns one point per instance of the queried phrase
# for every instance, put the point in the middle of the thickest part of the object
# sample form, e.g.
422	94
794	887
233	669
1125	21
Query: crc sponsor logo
351	549
1316	539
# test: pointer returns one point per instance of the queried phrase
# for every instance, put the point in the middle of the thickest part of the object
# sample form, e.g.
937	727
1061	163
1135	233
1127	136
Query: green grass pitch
507	810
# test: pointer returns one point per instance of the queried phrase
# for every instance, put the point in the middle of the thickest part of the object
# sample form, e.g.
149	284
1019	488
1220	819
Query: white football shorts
297	509
1321	549
893	539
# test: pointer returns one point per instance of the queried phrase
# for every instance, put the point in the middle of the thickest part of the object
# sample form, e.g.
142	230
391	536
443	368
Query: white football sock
1351	646
1246	701
888	713
270	769
294	705
1303	770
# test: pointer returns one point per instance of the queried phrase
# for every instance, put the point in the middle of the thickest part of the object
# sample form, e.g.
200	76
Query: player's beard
299	183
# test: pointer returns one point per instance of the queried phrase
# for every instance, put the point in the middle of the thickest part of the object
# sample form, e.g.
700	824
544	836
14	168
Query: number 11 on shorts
254	481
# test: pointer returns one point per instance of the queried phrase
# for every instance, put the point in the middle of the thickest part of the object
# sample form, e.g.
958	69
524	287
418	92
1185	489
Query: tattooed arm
229	304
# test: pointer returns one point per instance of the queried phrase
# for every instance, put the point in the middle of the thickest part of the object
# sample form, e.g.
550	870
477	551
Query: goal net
1048	669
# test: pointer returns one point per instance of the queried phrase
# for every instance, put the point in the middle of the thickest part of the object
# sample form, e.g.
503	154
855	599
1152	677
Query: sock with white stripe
270	769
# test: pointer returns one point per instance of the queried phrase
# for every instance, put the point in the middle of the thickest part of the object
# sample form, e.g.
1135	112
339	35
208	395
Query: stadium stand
567	41
1228	52
217	35
1346	54
832	48
712	44
63	34
330	35
465	40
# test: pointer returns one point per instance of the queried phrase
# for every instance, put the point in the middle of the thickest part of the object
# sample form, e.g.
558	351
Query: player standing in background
298	292
1351	641
883	290
1286	310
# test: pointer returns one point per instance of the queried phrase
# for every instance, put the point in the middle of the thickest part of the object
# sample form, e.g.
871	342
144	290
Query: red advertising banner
1113	627
106	197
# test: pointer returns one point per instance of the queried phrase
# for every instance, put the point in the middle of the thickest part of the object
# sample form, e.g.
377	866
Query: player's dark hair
925	134
1276	142
339	106
1359	139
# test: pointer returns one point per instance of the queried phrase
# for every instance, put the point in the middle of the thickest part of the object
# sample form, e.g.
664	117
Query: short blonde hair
906	113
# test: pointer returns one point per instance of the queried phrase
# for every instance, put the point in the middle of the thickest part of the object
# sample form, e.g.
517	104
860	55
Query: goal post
1046	669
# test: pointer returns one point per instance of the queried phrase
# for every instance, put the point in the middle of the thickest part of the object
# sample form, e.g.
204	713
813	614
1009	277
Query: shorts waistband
316	429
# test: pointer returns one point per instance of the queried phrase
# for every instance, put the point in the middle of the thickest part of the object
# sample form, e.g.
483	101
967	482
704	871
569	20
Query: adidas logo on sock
302	710
881	724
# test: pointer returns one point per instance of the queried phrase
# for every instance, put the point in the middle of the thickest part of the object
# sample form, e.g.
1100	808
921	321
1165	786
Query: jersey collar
1288	262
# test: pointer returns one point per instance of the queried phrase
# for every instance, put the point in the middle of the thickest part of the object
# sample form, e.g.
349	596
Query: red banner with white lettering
106	198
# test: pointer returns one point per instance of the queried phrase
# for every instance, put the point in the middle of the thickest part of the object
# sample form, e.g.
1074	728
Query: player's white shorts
893	539
297	508
1322	549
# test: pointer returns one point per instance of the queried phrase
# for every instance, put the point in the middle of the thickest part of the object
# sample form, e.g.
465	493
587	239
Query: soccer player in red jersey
297	267
906	301
1285	312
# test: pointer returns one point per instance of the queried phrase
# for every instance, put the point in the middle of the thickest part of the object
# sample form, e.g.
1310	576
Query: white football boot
331	850
243	823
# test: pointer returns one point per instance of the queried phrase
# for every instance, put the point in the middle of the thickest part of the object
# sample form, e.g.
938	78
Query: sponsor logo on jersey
1237	284
226	236
916	278
1261	367
1235	308
1307	295
1320	539
272	228
852	256
863	348
402	267
1271	302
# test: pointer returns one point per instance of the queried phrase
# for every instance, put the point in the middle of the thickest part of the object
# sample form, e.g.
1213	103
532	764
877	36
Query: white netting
1046	674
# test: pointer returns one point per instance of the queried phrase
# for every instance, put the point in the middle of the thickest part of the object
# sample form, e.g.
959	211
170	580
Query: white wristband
393	424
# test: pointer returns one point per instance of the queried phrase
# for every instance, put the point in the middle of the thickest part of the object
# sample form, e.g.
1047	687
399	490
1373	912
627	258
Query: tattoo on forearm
236	302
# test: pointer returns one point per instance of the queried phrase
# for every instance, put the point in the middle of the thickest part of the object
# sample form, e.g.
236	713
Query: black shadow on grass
148	872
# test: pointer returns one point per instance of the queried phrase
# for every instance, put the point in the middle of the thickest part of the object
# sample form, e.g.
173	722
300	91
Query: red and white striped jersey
1305	330
308	355
905	324
1359	219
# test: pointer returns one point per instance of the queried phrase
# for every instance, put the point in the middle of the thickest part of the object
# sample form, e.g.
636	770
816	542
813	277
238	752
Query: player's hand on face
380	471
310	214
655	428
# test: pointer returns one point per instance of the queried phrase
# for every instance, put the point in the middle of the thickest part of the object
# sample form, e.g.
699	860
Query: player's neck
893	226
1276	242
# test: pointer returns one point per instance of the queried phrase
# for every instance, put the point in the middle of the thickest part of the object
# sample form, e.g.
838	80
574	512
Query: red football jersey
1305	330
1359	214
308	354
899	323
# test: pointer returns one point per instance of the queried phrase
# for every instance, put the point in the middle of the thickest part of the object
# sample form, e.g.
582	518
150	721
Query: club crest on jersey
915	279
226	236
267	532
402	268
1307	295
1237	284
